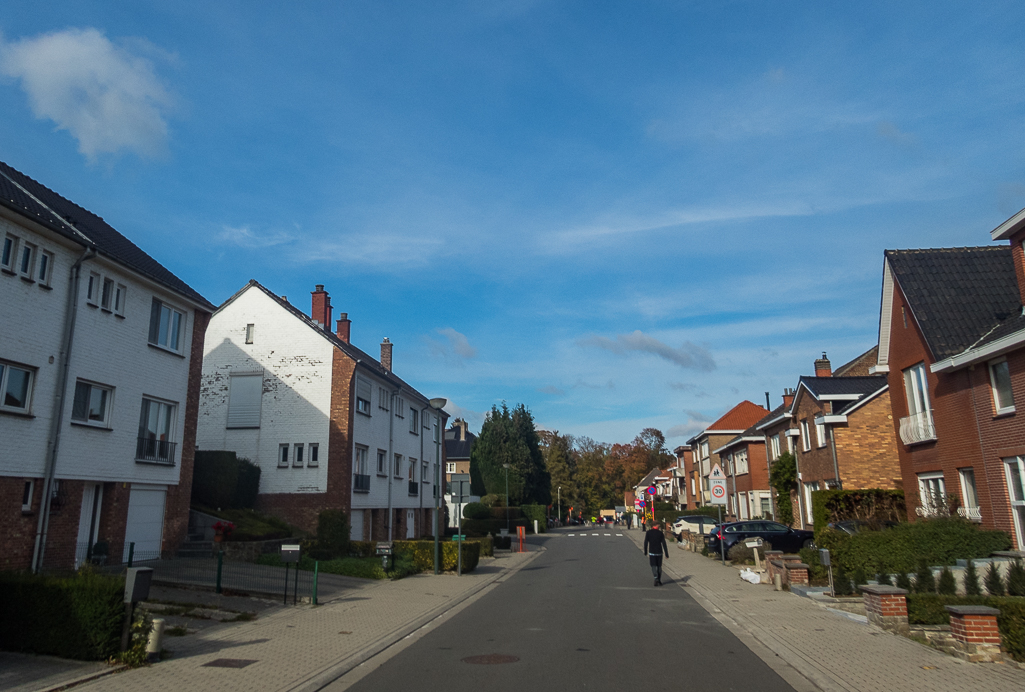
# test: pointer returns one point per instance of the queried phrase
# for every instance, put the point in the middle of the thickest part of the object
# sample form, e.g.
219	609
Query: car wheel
810	543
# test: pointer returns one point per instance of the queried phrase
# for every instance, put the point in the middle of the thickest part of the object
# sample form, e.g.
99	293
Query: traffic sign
717	485
650	490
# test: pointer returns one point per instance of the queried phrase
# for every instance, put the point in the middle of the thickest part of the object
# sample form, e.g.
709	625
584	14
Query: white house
100	350
329	426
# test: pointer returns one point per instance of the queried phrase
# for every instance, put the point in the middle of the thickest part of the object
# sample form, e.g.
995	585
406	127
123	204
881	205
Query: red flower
224	527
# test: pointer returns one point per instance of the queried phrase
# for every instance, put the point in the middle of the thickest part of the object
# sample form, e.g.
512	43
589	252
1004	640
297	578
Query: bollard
316	569
777	581
156	636
131	553
220	566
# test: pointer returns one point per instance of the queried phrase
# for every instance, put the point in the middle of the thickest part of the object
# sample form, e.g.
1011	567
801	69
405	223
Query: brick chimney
461	425
321	312
823	368
386	354
788	398
344	323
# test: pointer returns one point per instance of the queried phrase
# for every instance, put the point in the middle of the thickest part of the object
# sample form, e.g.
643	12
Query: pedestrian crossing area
572	535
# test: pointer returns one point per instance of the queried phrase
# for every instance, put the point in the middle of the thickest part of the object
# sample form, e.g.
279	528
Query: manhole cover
229	663
491	659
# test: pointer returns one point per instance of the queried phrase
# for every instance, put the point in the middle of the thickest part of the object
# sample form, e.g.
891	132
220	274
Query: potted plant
222	530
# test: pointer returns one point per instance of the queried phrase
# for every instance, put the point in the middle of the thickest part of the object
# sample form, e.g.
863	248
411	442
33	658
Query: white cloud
456	346
696	422
108	98
243	236
688	355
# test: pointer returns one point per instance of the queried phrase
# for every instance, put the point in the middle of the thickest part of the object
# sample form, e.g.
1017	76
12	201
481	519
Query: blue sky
622	214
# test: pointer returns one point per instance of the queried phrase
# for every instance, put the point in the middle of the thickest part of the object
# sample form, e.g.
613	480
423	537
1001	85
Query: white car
693	523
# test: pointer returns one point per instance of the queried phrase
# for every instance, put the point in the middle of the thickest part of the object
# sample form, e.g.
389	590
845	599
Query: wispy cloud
551	389
696	422
243	236
689	355
383	251
455	346
109	98
891	133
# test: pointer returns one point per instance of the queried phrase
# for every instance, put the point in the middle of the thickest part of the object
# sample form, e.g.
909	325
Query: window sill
284	466
94	426
166	350
27	513
47	287
361	492
382	475
92	305
151	462
242	427
27	279
364	413
313	466
18	414
5	270
1004	413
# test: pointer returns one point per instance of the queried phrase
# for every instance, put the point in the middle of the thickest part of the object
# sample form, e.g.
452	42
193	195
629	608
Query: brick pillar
797	573
772	556
975	632
887	607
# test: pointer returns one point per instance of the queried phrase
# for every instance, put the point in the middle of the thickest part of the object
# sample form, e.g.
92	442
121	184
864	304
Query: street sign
650	490
717	485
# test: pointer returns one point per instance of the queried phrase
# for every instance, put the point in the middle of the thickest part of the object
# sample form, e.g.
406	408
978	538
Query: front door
410	528
88	521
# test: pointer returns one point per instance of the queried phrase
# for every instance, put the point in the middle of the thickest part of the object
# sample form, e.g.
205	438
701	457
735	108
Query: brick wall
866	447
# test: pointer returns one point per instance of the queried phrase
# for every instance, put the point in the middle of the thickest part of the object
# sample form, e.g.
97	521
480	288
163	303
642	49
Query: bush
1016	579
947	585
817	573
481	527
222	480
503	542
928	609
477	510
534	513
421	553
903	582
883	579
938	541
841	582
740	554
873	505
76	617
360	567
362	548
332	535
971	580
858	577
925	582
994	584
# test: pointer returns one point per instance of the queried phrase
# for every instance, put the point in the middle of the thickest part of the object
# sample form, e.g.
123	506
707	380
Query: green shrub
994	583
858	577
740	554
947	585
247	484
534	513
1016	579
477	510
873	505
883	579
221	480
841	582
481	527
817	573
971	580
360	567
903	582
76	617
332	535
421	553
925	582
362	548
928	609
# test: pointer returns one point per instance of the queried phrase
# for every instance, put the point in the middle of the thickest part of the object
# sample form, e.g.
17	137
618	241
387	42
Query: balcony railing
917	428
360	483
932	511
155	451
414	488
970	513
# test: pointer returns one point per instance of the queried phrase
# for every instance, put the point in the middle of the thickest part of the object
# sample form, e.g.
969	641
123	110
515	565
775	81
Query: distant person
655	546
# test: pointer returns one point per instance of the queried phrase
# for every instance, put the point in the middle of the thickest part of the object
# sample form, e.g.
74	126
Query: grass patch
243	617
360	567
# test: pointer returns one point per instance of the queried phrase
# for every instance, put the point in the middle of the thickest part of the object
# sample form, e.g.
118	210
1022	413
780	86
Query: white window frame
774	447
283	455
359	462
314	460
805	436
93	283
1000	406
5	374
411	474
244	414
916	389
27	260
1014	472
108	404
107	288
382	398
298	454
120	298
27	496
250	329
382	463
44	268
400	403
741	462
414	421
9	253
820	434
397	471
425	472
157	312
969	494
809	488
363	390
171	422
450	467
932	491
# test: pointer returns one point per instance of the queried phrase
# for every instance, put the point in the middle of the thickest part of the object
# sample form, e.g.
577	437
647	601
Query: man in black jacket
655	546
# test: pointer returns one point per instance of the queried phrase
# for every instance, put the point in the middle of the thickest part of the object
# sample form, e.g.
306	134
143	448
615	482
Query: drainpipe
67	341
391	461
800	485
982	453
836	464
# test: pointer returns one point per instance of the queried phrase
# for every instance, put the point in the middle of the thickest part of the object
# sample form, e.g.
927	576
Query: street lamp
437	405
506	466
560	505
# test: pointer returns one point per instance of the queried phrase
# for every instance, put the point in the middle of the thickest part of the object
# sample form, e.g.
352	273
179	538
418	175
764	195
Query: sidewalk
303	648
829	650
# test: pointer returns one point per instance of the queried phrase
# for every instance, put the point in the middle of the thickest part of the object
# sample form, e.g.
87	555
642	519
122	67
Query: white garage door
356	525
145	522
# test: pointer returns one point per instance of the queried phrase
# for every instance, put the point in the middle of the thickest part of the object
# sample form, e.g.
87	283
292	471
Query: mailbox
137	582
753	543
290	553
824	557
384	548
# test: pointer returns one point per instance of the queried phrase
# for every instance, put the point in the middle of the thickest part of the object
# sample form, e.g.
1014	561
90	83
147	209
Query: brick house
687	477
458	446
743	460
952	344
734	422
329	426
100	357
844	434
778	432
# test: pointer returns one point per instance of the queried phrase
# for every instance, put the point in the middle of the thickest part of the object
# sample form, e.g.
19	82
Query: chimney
386	354
342	330
788	398
823	367
461	424
284	299
321	312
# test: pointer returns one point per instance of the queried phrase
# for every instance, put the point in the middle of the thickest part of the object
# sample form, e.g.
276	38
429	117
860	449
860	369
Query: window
805	436
450	467
249	332
282	455
245	396
363	397
1015	471
969	495
774	447
315	455
424	474
412	470
382	462
427	422
107	294
400	405
1000	379
120	296
9	253
92	404
360	462
740	460
437	427
398	466
16	387
382	398
156	427
26	496
166	326
92	289
704	450
297	458
916	389
820	434
932	492
414	421
44	268
809	488
26	263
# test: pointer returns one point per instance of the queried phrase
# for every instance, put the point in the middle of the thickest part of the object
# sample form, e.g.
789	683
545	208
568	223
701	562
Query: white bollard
535	527
156	636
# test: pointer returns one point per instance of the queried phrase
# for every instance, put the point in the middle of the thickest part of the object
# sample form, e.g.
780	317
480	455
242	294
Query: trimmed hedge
900	549
928	609
362	548
873	505
76	617
477	510
332	535
532	513
421	553
221	480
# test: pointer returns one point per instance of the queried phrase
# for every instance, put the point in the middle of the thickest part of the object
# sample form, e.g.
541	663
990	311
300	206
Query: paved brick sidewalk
304	648
831	651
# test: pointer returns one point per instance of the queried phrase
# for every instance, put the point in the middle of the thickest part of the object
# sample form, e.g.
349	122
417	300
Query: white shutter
363	389
244	401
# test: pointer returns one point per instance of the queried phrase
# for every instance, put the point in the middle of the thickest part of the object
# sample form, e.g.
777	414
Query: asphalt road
582	616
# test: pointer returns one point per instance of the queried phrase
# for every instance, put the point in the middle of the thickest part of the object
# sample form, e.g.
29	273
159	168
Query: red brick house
703	445
747	475
952	344
779	436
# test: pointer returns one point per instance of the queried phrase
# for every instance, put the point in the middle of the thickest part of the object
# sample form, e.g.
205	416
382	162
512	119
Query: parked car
853	526
693	523
780	536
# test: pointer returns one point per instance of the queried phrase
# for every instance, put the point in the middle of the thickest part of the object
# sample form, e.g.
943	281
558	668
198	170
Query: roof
749	435
648	479
859	365
740	417
459	449
35	201
847	393
957	295
361	357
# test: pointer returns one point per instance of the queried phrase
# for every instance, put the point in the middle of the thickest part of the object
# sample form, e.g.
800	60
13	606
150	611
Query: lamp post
506	466
560	505
437	405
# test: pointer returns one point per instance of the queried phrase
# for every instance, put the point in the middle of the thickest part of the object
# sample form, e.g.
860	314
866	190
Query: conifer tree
1016	579
994	582
947	585
971	580
841	582
903	582
883	578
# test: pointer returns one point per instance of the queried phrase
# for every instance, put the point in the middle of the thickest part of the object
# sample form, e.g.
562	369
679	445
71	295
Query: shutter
244	401
154	321
363	389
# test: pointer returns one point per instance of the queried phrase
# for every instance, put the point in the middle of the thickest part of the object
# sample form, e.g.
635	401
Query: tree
783	478
560	461
509	438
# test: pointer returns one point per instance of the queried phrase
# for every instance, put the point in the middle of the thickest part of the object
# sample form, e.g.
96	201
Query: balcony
155	451
414	488
360	483
970	513
917	428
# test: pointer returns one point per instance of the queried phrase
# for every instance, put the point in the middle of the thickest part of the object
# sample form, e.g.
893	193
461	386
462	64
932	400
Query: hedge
538	513
221	480
421	553
76	617
928	609
873	505
940	541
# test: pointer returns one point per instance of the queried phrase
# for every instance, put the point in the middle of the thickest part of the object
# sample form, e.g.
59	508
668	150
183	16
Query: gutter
53	444
391	461
970	357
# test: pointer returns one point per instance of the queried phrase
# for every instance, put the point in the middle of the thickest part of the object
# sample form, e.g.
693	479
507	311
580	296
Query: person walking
655	546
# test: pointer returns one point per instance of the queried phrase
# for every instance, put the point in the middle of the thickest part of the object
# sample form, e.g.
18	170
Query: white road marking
608	534
619	534
594	534
572	534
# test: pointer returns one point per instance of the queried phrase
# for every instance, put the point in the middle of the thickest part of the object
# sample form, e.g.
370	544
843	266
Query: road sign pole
722	538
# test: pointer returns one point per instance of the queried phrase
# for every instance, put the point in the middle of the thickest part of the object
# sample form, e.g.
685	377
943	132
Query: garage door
145	522
356	525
